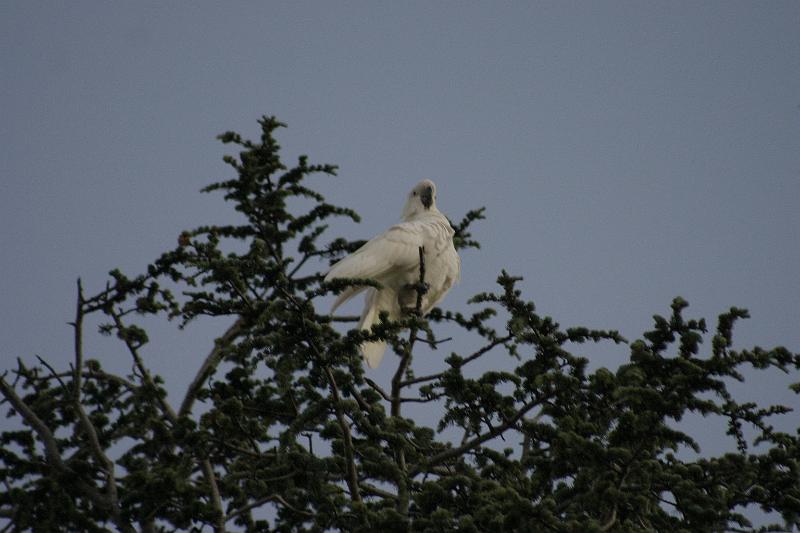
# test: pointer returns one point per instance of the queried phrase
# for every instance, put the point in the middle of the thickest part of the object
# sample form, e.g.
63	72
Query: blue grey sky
626	152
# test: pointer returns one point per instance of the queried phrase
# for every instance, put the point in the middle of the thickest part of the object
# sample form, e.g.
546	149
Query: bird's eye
415	193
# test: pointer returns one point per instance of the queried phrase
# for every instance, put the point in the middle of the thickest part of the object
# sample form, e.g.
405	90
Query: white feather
392	259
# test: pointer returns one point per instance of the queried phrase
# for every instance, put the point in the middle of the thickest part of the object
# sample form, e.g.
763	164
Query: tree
282	417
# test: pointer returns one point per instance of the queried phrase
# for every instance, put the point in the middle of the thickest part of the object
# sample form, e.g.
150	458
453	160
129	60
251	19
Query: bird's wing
345	295
395	249
447	274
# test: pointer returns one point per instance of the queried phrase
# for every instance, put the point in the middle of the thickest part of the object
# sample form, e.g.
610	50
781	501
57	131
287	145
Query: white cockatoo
392	259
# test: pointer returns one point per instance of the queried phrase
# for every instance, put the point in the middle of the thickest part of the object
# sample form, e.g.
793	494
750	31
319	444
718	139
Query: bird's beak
426	197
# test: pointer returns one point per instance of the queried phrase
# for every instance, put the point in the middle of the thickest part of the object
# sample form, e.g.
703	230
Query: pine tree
293	435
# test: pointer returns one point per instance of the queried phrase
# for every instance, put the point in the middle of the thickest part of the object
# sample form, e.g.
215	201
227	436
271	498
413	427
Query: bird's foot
419	288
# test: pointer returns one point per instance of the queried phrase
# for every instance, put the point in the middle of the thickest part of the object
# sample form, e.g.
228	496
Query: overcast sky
626	152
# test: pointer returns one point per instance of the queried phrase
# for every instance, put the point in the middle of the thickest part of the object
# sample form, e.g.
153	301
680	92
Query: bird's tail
377	301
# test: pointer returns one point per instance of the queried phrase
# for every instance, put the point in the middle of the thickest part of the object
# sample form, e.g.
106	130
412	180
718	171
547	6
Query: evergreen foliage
291	423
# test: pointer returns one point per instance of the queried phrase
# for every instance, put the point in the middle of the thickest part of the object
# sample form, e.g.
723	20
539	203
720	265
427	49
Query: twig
344	318
422	400
250	474
359	399
477	441
95	374
378	389
433	343
20	369
52	372
241	294
302	262
466	360
272	497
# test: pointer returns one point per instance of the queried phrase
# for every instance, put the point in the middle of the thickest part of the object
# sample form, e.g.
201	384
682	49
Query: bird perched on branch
393	260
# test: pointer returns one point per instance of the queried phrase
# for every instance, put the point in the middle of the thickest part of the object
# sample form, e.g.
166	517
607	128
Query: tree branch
433	343
377	388
272	497
216	500
469	359
53	454
134	351
88	427
421	400
611	520
78	325
51	450
209	365
477	441
205	464
405	360
344	318
396	399
94	374
352	473
375	491
53	373
349	455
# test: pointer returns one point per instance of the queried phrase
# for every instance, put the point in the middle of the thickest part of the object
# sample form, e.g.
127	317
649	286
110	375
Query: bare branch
89	429
78	325
53	373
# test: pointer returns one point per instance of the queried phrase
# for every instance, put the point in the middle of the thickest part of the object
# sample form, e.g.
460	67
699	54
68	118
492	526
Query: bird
393	260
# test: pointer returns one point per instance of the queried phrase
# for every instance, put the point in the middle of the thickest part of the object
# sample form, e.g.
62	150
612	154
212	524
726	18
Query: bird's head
421	199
